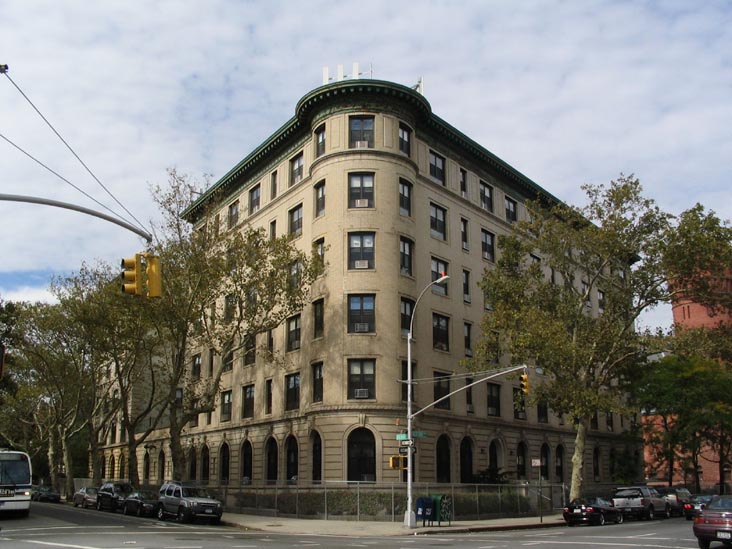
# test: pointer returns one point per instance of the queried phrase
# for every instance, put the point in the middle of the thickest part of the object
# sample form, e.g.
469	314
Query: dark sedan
45	493
693	507
142	502
86	496
591	511
714	523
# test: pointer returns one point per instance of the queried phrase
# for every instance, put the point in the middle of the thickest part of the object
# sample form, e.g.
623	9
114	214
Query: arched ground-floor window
466	461
224	461
291	458
205	464
442	459
192	464
271	459
246	462
361	455
316	443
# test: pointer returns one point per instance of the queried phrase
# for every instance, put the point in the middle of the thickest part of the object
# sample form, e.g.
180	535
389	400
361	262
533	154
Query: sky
567	92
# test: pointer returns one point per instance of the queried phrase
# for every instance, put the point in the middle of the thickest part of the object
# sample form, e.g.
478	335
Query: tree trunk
52	458
69	466
575	489
134	474
176	447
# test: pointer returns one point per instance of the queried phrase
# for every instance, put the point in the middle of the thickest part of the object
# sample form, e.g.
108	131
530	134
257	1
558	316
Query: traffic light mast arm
468	386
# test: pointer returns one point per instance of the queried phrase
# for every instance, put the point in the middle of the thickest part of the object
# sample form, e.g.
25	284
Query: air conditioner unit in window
361	203
470	408
362	144
466	298
361	264
361	327
361	393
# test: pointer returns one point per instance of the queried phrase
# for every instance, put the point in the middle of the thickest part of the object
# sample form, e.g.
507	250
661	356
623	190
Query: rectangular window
468	338
542	412
609	421
254	199
511	215
464	184
268	396
317	370
519	404
318	318
361	132
250	350
295	218
438	225
320	141
469	395
227	364
361	314
273	185
405	139
593	422
292	391
270	341
464	233
211	355
406	308
405	376
361	190
494	399
293	333
486	196
440	332
361	250
437	167
226	406
320	199
273	229
441	389
296	169
196	366
438	270
247	401
405	255
487	245
361	378
405	197
233	217
319	247
466	287
586	293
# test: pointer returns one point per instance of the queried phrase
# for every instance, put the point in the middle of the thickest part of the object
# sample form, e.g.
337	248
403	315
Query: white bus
15	482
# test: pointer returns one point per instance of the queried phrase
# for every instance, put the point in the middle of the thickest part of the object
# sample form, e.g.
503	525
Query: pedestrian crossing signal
398	462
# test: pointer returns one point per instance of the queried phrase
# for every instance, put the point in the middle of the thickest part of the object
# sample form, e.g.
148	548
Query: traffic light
152	270
524	383
398	462
132	275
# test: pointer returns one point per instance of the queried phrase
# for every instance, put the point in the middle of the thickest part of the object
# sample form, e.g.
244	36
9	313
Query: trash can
425	510
442	508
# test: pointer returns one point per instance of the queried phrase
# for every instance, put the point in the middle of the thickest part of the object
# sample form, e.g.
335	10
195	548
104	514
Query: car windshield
91	491
147	494
123	488
627	494
195	493
720	503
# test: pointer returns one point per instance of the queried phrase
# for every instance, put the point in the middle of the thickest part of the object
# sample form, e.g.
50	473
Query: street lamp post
410	519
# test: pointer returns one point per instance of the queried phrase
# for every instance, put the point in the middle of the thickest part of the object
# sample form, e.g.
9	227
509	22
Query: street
62	526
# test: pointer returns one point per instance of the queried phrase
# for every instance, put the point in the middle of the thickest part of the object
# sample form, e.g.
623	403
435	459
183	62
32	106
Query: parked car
45	492
714	523
695	504
676	498
591	511
642	502
141	502
86	496
112	495
187	503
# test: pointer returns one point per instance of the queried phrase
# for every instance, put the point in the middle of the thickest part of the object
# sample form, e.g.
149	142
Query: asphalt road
64	527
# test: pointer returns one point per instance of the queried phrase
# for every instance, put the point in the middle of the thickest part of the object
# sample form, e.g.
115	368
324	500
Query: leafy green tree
220	290
611	256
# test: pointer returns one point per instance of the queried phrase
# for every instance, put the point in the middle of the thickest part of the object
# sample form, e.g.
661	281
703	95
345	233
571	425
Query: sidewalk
349	528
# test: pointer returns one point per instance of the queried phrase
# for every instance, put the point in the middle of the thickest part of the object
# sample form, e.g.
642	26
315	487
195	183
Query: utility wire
5	72
61	177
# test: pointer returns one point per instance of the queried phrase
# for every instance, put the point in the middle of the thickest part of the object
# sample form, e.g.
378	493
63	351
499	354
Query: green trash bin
442	508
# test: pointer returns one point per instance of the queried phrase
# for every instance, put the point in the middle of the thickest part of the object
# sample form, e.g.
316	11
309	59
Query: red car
715	522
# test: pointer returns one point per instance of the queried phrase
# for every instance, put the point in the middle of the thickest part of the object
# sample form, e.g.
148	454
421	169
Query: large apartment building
394	197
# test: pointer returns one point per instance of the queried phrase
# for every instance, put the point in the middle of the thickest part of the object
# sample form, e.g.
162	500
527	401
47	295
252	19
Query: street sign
419	434
402	436
535	462
406	443
404	450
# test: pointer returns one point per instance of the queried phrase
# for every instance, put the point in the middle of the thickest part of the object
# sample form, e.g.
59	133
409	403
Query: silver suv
187	503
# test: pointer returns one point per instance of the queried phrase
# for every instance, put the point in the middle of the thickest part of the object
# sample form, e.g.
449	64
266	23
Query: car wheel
161	513
667	512
649	513
704	543
602	519
619	519
181	516
125	510
76	504
99	505
139	511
